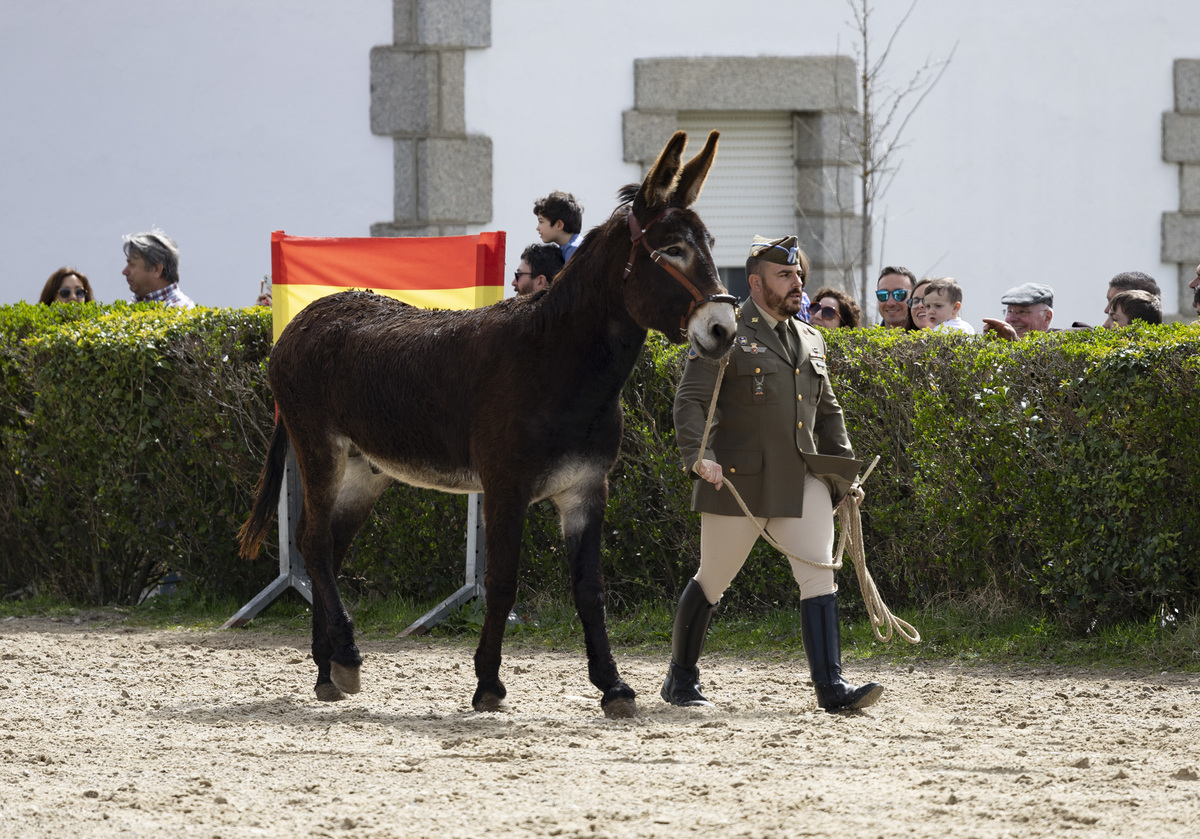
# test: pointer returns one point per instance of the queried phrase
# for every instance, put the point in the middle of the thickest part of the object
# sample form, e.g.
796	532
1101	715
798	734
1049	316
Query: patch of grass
971	630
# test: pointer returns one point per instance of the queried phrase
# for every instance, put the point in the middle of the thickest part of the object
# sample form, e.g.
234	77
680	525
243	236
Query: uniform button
757	369
732	469
799	425
799	397
797	371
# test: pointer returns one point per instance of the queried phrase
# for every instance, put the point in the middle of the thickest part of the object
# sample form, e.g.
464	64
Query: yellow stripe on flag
288	300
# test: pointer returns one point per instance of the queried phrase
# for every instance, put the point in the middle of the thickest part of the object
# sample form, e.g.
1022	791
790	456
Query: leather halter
637	233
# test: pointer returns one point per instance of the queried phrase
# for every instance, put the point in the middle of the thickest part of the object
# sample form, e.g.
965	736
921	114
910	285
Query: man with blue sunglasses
892	290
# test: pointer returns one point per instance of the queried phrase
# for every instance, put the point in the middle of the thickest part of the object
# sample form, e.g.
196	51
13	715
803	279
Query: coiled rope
883	622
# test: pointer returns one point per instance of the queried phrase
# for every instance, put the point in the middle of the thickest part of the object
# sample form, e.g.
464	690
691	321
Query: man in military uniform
779	435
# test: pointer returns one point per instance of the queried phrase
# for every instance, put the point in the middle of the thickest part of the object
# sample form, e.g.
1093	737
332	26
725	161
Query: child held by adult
943	302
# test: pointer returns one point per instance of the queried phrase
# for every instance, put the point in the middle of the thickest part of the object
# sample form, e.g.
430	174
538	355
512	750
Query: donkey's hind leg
322	467
582	512
362	484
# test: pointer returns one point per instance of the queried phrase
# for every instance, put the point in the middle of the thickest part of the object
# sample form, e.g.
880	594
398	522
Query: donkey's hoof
621	709
486	703
328	692
346	679
618	702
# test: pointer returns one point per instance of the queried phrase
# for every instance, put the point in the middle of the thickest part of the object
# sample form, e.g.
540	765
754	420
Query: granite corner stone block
1187	85
404	91
454	23
1181	237
1181	138
454	179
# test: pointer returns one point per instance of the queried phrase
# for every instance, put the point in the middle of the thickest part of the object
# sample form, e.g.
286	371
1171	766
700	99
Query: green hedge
1060	470
130	440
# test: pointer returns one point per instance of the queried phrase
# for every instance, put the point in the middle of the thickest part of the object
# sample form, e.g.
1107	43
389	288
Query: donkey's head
671	282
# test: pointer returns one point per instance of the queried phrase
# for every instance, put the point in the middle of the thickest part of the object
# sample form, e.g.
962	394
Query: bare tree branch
882	122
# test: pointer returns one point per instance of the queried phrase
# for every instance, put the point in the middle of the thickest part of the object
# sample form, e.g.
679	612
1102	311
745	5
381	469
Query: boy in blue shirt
560	220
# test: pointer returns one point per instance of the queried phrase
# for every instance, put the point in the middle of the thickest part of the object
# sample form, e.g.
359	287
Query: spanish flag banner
443	272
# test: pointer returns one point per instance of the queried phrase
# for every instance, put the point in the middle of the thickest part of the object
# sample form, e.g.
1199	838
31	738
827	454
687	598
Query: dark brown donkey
519	400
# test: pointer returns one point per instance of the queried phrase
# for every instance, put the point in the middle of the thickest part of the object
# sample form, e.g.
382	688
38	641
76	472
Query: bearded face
780	290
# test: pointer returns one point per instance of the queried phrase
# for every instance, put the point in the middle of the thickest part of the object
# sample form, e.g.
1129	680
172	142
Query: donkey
519	400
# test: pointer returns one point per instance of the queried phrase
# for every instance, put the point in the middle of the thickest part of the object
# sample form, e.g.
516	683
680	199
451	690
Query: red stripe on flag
443	262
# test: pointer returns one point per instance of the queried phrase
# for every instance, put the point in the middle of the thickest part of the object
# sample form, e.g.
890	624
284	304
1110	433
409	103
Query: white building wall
218	121
1038	156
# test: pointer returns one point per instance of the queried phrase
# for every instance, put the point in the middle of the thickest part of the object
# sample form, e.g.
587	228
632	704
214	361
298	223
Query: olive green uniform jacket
773	422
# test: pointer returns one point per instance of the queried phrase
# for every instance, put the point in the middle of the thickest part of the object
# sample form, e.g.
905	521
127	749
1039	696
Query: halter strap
637	233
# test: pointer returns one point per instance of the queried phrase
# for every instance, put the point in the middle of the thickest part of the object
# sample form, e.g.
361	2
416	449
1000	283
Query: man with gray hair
1028	308
152	269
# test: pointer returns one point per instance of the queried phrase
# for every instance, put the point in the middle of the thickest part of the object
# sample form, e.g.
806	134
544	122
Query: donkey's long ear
659	185
691	179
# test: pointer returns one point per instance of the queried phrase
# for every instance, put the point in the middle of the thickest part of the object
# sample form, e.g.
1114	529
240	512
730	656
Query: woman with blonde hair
66	285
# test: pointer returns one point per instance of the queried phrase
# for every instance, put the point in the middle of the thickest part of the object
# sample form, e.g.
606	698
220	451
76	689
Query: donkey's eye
674	250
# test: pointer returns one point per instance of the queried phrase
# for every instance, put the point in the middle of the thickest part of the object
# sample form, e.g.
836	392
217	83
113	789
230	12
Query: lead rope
883	622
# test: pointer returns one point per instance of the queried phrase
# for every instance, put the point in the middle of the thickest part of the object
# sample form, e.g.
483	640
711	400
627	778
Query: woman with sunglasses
918	317
833	308
66	285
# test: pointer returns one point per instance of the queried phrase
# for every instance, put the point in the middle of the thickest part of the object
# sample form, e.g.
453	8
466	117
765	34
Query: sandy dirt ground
107	730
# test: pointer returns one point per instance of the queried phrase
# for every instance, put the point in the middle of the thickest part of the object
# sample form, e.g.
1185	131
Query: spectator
892	290
1030	309
539	266
834	308
1129	306
943	302
1194	285
66	285
152	269
918	316
560	220
1128	281
264	292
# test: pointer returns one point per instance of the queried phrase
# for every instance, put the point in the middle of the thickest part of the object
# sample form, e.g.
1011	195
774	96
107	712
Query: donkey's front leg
504	515
582	512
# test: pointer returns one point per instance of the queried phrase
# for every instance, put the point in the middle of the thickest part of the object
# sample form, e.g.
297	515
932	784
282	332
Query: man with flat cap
1030	308
779	436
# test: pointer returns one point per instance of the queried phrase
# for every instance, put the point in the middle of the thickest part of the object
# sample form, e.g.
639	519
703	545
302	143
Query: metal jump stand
473	584
292	573
291	564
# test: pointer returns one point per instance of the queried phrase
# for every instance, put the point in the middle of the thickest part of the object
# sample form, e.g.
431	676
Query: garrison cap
1029	294
782	251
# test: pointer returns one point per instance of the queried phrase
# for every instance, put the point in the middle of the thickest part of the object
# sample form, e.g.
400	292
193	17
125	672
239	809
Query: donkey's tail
253	532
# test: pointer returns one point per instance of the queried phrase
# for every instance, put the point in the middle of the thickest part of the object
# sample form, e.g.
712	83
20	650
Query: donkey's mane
548	307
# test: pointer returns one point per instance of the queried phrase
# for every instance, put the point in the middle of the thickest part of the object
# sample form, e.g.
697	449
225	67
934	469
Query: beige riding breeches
725	542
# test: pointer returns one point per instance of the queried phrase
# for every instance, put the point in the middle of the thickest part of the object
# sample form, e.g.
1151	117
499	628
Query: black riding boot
692	617
823	646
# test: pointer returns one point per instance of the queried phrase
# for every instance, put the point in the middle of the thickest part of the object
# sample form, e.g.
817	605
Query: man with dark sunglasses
540	264
892	289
